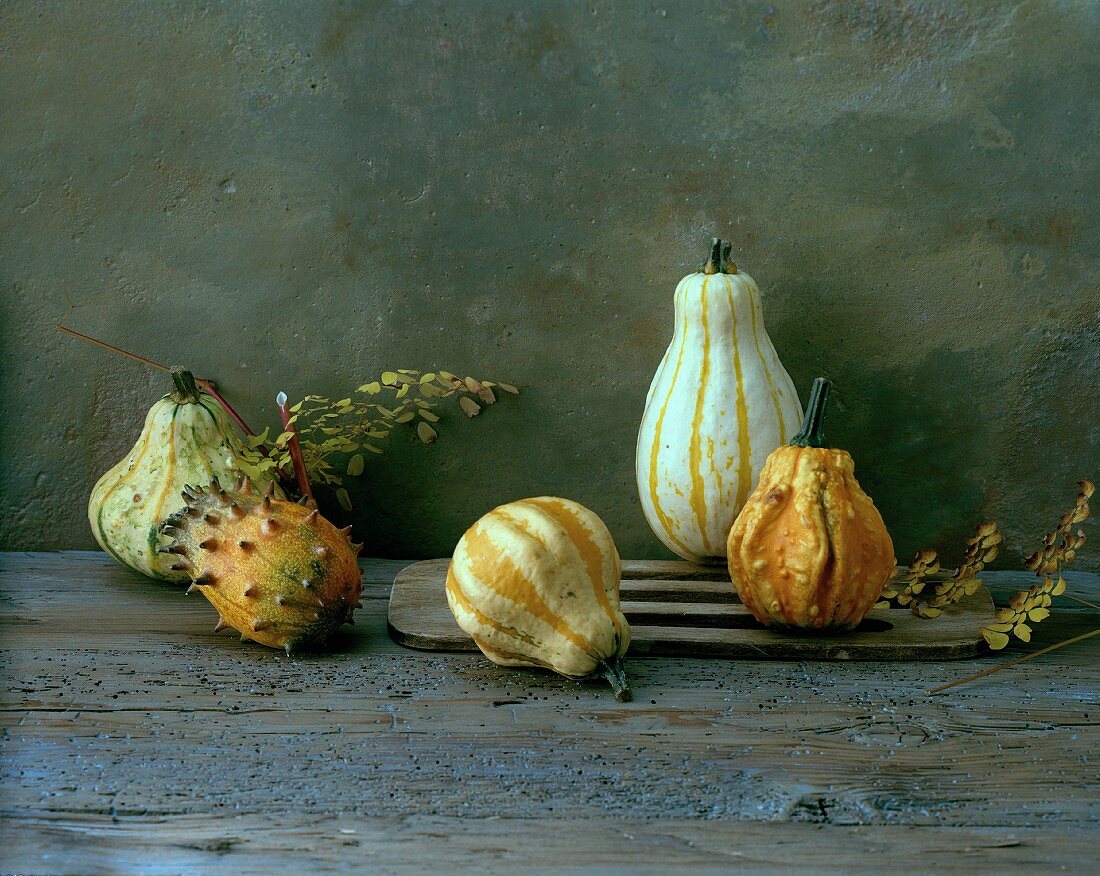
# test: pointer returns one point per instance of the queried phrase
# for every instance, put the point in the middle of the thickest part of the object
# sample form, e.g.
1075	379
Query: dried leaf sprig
981	548
909	590
330	430
905	591
1059	547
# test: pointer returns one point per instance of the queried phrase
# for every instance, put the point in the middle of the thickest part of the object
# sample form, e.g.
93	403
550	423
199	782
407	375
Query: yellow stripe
590	552
490	564
666	522
698	497
171	457
783	436
744	448
455	589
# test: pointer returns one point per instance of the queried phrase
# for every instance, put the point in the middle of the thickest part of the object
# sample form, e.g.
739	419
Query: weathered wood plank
304	843
135	738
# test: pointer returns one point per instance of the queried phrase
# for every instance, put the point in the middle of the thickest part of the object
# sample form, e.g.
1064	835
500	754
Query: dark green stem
811	434
186	391
613	671
718	262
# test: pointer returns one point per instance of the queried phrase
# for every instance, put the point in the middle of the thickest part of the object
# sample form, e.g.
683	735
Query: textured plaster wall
287	195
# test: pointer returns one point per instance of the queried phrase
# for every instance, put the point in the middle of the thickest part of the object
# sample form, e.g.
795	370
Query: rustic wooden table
137	740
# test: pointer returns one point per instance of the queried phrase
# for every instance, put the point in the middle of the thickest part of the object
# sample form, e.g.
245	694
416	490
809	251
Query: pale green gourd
187	439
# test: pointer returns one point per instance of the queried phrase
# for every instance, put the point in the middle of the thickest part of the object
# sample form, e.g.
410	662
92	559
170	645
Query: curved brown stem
207	386
1015	662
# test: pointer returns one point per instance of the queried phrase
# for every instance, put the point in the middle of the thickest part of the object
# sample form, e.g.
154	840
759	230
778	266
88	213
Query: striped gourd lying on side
719	403
536	583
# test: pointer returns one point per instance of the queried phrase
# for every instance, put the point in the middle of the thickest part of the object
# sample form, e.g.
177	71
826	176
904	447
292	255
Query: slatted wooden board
677	608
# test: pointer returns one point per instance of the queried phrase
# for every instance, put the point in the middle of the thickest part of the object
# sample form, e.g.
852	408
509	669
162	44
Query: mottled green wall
288	195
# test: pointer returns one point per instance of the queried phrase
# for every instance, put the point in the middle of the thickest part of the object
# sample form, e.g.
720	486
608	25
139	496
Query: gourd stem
615	674
718	262
186	392
811	435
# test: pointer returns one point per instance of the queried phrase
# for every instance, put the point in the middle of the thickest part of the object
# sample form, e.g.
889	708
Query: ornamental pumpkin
719	403
187	438
809	550
536	583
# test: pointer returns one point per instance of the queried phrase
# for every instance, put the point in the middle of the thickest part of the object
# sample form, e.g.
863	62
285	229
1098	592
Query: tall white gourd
719	403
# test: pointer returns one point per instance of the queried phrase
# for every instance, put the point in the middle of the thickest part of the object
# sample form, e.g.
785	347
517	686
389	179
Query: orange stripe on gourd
698	495
589	551
764	366
655	448
454	588
744	446
490	564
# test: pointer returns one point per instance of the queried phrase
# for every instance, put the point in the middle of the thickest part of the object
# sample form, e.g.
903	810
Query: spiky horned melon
277	572
536	583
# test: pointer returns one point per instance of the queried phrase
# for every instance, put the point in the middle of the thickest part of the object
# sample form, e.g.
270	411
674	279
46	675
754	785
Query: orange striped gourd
187	439
536	583
719	403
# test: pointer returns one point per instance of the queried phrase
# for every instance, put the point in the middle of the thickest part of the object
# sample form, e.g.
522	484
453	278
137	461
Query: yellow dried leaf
1022	632
429	416
355	465
469	407
427	433
1038	614
507	387
404	418
1003	627
883	604
402	392
427	378
374	387
994	639
472	385
486	395
344	403
925	611
1059	587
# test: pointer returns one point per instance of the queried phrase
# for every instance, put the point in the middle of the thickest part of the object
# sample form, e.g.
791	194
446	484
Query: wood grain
681	609
137	740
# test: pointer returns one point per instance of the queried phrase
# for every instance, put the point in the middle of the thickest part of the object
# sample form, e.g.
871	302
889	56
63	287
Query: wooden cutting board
676	608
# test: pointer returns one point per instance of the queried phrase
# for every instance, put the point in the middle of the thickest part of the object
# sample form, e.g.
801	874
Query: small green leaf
427	433
389	378
344	499
355	465
469	407
995	640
